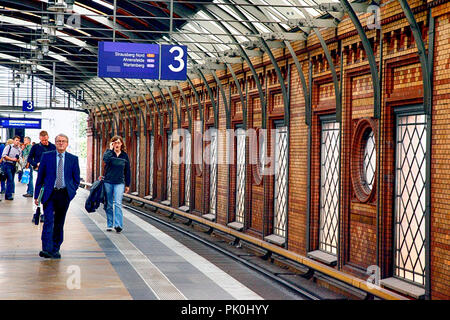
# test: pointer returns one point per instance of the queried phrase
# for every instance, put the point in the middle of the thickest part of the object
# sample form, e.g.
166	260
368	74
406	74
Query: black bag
2	173
96	196
36	215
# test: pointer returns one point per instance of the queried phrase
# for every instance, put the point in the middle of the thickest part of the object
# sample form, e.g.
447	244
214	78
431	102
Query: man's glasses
61	141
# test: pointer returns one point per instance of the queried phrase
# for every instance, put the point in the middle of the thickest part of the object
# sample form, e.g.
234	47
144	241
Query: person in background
59	175
3	184
116	180
11	155
20	165
34	157
25	152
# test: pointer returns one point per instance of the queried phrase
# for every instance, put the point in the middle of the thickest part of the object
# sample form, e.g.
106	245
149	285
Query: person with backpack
10	156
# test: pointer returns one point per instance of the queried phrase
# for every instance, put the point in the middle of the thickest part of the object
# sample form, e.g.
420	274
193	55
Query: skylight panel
105	4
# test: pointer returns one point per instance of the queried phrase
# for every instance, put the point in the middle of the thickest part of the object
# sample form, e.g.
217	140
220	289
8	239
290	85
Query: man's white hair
62	135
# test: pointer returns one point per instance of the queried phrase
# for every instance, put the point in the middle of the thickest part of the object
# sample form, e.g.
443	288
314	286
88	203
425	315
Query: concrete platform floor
142	262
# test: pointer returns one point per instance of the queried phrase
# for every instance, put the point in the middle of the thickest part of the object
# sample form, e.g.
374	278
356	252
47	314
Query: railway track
304	293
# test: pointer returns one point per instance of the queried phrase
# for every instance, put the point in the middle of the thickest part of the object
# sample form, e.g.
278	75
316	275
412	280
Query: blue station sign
27	106
24	123
141	61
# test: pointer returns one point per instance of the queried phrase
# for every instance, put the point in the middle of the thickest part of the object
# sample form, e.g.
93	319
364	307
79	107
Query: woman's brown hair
115	138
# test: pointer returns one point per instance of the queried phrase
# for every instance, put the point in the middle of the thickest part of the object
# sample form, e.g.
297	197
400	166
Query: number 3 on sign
173	62
178	57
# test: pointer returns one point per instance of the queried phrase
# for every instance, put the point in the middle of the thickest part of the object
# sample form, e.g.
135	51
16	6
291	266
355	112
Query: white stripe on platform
158	283
221	278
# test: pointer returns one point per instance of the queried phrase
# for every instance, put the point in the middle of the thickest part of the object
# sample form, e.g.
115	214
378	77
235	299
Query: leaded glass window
281	196
152	148
169	167
369	161
240	175
187	174
410	198
137	161
213	173
329	187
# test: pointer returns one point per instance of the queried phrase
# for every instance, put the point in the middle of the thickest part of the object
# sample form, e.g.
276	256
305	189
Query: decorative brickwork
366	220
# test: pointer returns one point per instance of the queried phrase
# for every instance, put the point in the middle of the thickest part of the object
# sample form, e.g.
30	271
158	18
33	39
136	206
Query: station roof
34	38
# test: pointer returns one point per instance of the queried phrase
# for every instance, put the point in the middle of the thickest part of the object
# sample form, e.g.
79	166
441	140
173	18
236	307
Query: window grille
138	154
329	189
410	194
240	175
169	167
187	174
213	173
369	161
152	146
281	178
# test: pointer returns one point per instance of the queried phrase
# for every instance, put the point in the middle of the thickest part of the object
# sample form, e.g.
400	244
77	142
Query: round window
364	160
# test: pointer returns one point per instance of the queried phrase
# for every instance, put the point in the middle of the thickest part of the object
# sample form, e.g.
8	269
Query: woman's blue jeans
114	195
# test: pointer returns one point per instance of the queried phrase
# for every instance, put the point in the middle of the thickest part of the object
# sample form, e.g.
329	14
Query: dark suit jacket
47	175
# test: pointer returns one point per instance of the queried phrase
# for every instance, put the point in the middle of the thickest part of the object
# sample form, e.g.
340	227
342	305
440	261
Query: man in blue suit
59	175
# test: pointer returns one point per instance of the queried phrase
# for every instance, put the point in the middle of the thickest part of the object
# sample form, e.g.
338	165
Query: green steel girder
138	122
423	56
258	13
211	96
302	80
200	107
174	106
241	95
252	70
370	57
124	105
188	108
149	112
169	110
161	123
426	63
138	119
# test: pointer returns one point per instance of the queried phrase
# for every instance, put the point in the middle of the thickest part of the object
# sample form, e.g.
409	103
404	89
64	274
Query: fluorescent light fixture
105	4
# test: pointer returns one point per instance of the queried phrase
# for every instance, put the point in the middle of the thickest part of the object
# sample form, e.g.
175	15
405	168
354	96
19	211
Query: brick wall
360	220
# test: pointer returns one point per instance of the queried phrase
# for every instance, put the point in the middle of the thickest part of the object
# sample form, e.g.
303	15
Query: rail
355	282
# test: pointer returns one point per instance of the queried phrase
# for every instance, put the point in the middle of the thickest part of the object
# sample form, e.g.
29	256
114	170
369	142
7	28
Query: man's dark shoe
2	192
27	195
9	198
56	255
118	229
45	254
42	218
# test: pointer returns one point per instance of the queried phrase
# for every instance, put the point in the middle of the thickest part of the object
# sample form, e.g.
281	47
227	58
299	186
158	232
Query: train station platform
140	263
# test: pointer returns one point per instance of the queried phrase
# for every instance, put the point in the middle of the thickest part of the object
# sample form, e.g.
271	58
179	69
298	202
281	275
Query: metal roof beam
313	23
285	36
